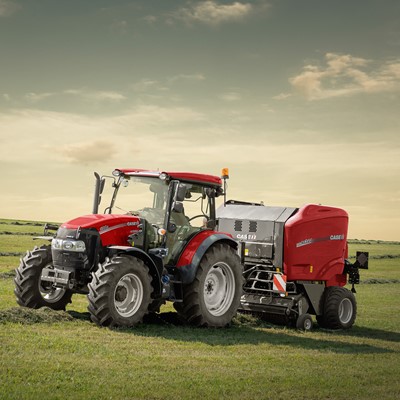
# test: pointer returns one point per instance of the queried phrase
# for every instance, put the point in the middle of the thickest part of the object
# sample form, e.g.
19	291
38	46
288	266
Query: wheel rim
50	293
307	324
345	311
128	295
219	289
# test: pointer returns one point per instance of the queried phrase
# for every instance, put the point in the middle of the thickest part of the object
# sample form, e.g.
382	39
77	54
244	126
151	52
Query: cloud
97	95
120	27
145	85
36	97
211	13
88	152
282	96
8	7
150	19
230	96
149	118
345	75
87	95
187	77
151	85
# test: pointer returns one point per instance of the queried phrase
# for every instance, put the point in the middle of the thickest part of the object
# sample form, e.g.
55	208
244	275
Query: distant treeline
381	256
21	233
363	241
22	223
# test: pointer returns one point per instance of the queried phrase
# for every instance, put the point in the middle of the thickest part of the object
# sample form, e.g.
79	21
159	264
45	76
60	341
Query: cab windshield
142	196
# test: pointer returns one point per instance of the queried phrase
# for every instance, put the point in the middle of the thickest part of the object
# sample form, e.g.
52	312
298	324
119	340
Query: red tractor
161	246
161	238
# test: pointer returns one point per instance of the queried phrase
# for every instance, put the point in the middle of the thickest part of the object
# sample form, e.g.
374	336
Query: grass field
45	354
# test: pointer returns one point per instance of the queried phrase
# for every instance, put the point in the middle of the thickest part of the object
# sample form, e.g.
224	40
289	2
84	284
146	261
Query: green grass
68	357
18	243
375	249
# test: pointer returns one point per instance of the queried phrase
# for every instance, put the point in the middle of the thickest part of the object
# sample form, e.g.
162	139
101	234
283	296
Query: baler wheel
30	290
213	298
304	322
340	308
120	292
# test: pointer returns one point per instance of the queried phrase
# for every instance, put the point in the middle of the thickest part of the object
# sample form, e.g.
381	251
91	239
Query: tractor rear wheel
120	292
30	290
213	298
340	309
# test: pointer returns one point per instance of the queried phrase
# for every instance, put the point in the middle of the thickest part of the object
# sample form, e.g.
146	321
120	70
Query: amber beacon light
225	173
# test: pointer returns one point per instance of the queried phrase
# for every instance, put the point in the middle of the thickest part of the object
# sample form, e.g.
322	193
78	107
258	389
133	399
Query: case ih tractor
160	238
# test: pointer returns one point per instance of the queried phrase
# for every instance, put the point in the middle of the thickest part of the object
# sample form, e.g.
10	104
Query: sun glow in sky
299	98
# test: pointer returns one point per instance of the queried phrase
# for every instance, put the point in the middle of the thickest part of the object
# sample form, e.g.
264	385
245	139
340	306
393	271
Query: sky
299	98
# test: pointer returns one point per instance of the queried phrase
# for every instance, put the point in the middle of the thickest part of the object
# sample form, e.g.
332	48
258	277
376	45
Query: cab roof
192	177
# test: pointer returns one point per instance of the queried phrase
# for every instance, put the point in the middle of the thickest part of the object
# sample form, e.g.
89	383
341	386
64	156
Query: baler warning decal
279	283
306	242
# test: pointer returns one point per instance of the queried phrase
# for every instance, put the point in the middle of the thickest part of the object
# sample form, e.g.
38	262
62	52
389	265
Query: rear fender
195	250
155	268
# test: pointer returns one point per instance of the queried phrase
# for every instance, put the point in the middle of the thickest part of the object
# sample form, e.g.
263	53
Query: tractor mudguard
191	256
155	266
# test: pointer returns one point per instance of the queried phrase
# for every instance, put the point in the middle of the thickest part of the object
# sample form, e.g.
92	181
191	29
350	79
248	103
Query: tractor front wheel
30	290
339	310
120	292
213	298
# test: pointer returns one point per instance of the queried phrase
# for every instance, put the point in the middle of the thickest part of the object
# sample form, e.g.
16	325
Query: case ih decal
306	242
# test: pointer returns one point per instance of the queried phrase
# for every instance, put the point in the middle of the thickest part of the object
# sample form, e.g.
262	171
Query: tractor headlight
69	245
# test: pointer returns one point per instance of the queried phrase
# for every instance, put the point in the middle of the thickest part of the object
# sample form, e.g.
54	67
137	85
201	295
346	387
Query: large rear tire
120	292
339	310
213	298
30	290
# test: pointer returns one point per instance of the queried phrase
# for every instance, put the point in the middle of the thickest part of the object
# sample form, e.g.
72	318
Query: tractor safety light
163	176
69	245
116	172
162	231
225	173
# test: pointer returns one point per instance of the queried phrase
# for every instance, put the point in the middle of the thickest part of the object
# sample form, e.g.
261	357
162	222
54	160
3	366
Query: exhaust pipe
98	188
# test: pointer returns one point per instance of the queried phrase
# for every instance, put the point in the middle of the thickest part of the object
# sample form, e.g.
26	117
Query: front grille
69	260
78	260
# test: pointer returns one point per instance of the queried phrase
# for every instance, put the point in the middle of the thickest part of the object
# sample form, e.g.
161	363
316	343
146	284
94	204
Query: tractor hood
102	222
113	229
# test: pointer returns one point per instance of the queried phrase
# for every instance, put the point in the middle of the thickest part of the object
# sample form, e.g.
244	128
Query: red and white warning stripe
279	283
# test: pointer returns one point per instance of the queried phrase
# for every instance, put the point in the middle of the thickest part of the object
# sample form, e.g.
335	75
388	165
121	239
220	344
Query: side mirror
211	193
181	192
178	207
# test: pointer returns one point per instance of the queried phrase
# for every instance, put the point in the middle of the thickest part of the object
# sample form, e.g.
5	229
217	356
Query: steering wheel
198	216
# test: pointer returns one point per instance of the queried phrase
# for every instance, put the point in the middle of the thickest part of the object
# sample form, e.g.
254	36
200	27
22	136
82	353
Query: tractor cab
171	207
